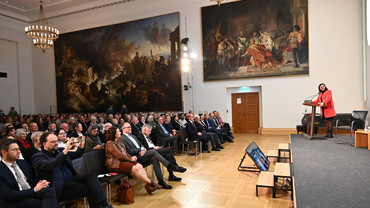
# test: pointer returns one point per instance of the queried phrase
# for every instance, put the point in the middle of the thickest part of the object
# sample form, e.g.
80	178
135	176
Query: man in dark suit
166	152
221	131
135	127
17	188
57	168
211	135
194	134
163	136
146	157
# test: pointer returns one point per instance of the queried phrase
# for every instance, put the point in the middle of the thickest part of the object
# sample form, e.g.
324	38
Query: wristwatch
142	148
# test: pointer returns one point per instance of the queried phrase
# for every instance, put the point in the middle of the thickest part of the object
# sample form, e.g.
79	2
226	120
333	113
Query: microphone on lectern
310	98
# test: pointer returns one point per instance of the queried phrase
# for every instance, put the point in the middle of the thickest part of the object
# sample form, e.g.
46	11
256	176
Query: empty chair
357	121
95	162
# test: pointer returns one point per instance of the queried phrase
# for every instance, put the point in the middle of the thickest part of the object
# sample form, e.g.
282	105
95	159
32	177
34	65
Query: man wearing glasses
17	188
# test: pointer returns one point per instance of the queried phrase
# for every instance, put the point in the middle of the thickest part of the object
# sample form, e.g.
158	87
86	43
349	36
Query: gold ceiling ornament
43	36
218	1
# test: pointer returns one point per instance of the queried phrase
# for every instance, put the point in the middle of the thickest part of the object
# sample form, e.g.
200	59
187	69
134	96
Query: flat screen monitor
258	157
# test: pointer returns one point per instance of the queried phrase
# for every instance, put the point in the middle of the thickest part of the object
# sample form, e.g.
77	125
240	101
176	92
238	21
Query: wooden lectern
310	125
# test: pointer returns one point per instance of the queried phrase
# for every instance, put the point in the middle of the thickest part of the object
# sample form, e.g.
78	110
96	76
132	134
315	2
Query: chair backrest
95	161
79	165
360	115
183	134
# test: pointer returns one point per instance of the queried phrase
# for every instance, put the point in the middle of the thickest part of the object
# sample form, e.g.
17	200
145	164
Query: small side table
283	170
362	139
283	148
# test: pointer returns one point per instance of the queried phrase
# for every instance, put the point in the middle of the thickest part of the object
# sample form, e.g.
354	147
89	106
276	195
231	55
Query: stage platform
328	174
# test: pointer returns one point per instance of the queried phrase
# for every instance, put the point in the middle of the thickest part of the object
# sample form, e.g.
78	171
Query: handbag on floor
125	193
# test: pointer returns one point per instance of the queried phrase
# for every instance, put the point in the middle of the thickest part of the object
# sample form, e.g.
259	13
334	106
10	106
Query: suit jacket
135	129
130	146
192	131
48	166
143	141
214	126
9	189
161	134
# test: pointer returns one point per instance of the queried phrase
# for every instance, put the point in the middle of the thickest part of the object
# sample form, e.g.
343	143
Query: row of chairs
94	162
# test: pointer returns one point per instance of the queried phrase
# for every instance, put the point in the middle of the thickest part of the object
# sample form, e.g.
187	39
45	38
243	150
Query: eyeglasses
62	133
128	127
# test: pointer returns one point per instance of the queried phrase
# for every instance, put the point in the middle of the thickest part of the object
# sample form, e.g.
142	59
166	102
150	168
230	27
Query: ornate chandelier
43	36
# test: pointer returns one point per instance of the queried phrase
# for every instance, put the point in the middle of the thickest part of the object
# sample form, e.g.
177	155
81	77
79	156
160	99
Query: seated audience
62	138
52	127
182	120
40	124
144	156
135	126
35	137
65	127
175	122
222	124
92	141
78	130
82	121
56	167
163	136
25	145
9	132
102	134
194	134
213	138
168	125
33	128
118	160
166	152
17	187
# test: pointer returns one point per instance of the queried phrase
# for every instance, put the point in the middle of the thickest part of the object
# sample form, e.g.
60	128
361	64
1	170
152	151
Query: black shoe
220	147
179	169
222	142
231	141
182	169
330	135
215	149
174	178
164	185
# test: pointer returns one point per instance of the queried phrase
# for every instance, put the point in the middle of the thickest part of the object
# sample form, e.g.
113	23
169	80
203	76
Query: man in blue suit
17	188
57	167
194	134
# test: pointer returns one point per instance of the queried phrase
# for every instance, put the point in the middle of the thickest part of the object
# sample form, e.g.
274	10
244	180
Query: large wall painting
134	63
255	38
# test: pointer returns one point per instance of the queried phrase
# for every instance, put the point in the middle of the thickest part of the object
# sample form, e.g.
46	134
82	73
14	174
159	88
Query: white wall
19	57
335	32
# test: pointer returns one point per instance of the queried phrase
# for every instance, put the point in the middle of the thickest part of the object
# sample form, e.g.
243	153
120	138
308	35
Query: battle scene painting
255	38
134	63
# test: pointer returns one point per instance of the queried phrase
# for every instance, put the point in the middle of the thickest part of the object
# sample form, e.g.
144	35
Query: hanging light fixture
43	36
218	2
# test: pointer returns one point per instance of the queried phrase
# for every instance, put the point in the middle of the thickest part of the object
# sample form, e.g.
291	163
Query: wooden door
245	112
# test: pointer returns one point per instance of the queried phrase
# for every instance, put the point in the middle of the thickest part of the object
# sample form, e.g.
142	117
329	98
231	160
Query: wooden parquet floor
212	180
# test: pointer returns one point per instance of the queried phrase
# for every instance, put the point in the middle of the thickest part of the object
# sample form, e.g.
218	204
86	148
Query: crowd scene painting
136	63
253	38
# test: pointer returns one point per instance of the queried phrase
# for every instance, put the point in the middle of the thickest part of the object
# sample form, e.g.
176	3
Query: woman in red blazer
327	112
